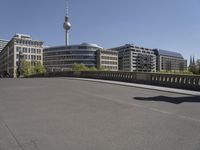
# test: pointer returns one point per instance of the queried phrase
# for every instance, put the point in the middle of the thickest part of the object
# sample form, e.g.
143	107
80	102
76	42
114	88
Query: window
38	51
18	49
32	50
25	50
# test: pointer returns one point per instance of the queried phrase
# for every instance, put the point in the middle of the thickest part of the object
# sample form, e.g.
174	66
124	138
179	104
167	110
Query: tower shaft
67	38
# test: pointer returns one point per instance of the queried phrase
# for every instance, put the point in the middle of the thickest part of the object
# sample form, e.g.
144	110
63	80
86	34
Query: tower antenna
67	25
67	8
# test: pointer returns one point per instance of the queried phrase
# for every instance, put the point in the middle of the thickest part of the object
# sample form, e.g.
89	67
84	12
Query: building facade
63	58
31	50
3	43
107	59
169	61
136	58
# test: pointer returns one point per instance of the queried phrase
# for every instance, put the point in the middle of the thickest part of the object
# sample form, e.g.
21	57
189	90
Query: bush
80	67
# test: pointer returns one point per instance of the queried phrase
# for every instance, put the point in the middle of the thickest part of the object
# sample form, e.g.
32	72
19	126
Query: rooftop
168	53
70	46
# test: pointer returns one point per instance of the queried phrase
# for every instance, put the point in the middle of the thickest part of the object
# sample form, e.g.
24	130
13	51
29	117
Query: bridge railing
189	82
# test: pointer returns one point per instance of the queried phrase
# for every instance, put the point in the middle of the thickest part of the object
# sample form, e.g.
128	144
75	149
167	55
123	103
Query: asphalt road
65	114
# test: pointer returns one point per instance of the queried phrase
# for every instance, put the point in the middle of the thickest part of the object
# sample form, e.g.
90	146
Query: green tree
195	69
79	67
39	68
93	68
26	68
102	68
198	67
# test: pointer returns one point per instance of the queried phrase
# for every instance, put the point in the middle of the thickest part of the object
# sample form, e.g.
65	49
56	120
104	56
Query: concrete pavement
60	113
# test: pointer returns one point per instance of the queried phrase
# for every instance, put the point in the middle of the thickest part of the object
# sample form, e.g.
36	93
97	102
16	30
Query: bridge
79	114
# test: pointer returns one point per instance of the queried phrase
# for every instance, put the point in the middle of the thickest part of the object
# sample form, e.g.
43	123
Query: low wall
188	82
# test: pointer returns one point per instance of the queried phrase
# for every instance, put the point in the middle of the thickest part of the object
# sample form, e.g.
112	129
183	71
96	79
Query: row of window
32	62
111	67
29	42
109	62
69	52
109	58
30	57
28	50
70	57
70	62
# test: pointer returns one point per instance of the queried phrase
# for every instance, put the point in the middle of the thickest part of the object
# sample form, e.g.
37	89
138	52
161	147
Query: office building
62	58
107	59
31	50
136	58
169	61
3	44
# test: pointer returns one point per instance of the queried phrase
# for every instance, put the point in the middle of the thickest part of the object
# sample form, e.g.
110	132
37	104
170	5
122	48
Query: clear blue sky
166	24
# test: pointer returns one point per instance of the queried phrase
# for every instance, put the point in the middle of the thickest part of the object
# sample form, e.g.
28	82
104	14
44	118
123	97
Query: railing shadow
174	100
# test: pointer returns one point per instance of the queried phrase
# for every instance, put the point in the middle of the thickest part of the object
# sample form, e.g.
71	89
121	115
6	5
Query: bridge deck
64	114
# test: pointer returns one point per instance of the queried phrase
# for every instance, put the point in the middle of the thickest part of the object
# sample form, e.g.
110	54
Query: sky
166	24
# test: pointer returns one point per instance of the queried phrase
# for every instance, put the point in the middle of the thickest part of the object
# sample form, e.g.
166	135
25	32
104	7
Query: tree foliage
102	68
79	67
93	69
28	69
39	68
195	69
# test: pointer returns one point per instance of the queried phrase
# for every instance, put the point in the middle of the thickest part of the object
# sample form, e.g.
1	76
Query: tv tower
67	25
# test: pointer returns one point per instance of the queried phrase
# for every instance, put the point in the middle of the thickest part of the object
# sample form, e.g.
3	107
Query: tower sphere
67	25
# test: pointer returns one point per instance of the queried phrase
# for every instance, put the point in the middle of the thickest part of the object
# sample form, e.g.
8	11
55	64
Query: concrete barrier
188	82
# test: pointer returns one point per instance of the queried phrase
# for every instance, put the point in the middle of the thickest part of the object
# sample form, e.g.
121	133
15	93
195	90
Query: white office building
136	58
32	51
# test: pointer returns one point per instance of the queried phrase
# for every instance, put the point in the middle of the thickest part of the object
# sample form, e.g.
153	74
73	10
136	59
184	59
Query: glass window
18	49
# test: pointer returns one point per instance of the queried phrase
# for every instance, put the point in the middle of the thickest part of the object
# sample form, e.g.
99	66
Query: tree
79	67
102	68
39	68
93	68
27	68
195	68
198	66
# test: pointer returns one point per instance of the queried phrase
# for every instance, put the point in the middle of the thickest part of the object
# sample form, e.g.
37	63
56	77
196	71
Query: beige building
107	59
32	51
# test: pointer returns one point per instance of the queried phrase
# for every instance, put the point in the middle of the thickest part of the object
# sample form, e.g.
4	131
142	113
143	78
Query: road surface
66	114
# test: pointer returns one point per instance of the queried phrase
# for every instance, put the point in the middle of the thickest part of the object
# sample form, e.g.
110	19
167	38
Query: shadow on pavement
174	100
